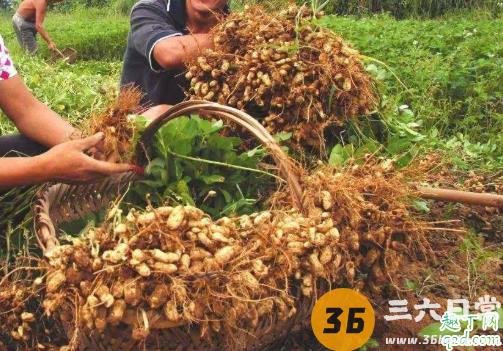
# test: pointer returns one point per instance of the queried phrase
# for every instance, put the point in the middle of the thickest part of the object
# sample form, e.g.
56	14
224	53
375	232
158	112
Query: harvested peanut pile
371	207
21	316
14	315
284	70
170	267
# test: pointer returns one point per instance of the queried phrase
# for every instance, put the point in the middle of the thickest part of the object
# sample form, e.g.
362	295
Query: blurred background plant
396	8
5	4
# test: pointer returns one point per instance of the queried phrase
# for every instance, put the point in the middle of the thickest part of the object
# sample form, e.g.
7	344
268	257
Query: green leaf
182	147
234	207
422	206
153	183
178	169
190	129
155	163
212	179
231	158
158	170
431	329
283	136
372	343
256	152
337	156
404	160
183	191
209	127
140	122
210	210
377	72
398	144
369	147
226	194
236	178
410	284
220	143
189	181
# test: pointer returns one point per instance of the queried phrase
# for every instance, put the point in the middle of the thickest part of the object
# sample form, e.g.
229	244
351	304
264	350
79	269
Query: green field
411	8
72	90
451	98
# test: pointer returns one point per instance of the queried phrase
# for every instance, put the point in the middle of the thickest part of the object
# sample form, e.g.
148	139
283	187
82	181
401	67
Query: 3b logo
343	320
354	326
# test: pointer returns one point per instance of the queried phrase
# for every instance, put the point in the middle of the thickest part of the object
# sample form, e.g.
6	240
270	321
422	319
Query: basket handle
205	108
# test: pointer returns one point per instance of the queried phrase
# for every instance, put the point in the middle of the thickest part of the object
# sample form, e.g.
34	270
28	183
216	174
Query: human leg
18	145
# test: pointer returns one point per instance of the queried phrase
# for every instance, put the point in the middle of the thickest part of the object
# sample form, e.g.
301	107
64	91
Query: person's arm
33	119
40	10
172	53
156	36
155	112
21	171
65	163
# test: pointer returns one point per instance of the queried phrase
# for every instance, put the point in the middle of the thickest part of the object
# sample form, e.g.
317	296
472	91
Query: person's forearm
43	33
173	52
36	121
33	119
17	171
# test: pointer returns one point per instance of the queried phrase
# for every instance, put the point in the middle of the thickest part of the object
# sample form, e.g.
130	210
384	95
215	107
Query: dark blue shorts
16	145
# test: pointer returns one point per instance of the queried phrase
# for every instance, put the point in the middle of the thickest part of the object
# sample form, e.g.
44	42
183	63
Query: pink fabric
7	69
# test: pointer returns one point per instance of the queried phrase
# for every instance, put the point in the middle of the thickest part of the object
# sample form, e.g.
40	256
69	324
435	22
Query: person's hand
52	46
68	163
154	112
97	151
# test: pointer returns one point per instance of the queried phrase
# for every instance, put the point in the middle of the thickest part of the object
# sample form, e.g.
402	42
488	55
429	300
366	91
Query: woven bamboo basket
60	203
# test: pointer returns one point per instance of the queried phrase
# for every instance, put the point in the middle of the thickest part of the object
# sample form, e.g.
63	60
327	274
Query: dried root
281	68
115	125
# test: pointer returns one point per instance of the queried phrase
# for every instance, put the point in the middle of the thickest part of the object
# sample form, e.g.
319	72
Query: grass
411	8
97	34
397	8
76	90
453	70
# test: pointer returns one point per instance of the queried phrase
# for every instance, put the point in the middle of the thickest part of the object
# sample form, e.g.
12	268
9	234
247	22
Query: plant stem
223	164
364	57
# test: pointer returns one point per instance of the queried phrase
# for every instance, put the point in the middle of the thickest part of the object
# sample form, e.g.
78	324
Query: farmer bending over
163	35
65	161
28	20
